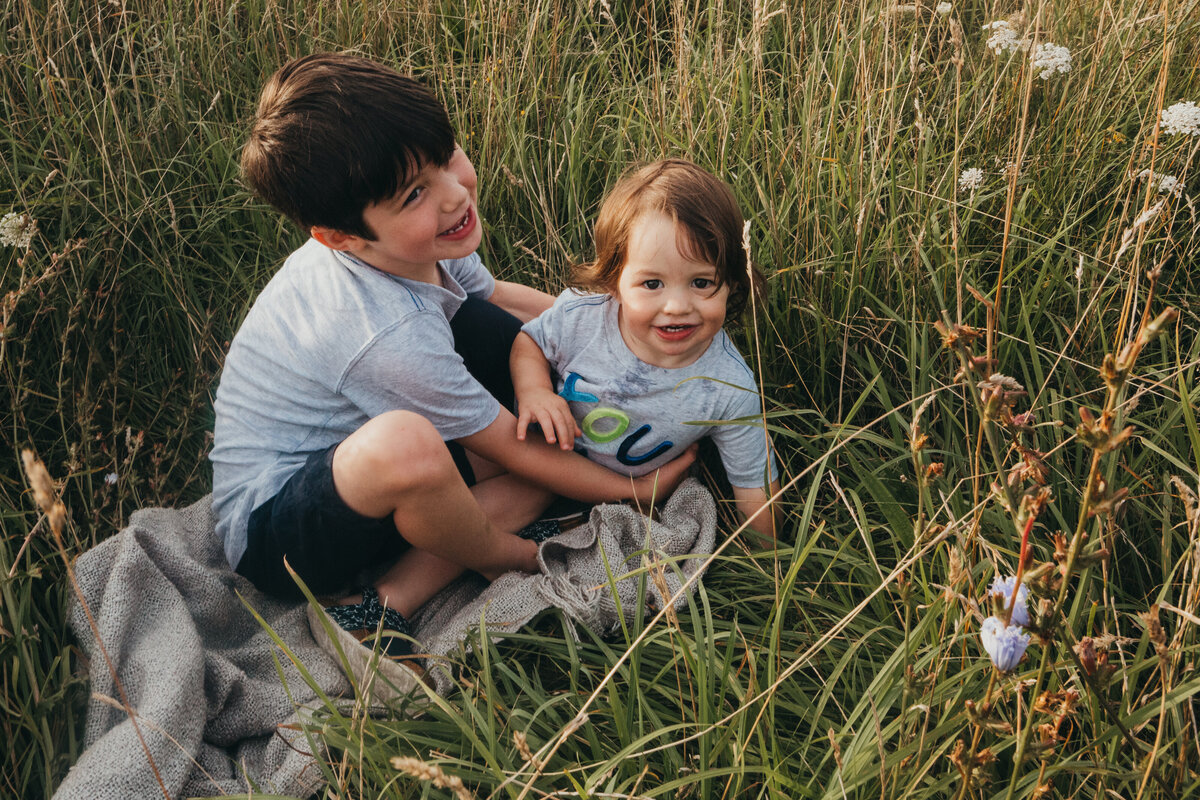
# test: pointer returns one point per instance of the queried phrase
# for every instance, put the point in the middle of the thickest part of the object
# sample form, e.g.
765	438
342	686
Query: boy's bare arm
749	501
569	473
536	399
523	302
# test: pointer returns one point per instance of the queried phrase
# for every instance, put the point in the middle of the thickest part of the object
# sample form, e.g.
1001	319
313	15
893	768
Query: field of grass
846	662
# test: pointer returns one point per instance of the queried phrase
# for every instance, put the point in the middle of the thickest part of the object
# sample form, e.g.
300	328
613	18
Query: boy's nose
453	194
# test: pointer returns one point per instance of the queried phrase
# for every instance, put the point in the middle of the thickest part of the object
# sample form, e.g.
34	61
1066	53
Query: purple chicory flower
1005	644
1004	588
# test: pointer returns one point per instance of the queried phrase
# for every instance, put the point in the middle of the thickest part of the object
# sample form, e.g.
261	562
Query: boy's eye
653	283
703	283
413	195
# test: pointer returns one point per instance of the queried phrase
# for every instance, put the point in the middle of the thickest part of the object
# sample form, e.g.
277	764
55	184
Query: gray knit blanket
220	709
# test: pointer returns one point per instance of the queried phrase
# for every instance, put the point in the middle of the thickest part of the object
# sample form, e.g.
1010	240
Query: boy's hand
654	487
550	411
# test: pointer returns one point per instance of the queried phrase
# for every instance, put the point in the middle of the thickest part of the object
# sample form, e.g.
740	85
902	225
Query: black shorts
330	545
334	549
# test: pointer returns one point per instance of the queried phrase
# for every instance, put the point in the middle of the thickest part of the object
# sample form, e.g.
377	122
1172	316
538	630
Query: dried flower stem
1114	392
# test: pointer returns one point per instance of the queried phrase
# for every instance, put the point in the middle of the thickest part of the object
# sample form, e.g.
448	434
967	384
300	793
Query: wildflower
970	180
1004	588
1004	37
17	230
111	479
1001	382
1049	58
1167	184
1005	644
944	9
1031	467
1182	118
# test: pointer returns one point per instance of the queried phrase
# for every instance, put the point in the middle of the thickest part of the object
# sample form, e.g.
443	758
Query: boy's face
432	218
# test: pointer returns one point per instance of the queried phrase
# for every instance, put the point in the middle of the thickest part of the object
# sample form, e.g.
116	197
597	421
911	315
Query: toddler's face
671	307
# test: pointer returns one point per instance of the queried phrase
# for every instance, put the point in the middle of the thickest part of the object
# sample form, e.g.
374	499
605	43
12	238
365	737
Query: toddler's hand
550	411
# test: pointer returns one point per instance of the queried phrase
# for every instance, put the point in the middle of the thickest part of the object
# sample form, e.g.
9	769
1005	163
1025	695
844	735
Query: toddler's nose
677	303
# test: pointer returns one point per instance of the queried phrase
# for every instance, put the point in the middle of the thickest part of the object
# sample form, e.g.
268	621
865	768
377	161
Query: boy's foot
390	675
542	529
361	620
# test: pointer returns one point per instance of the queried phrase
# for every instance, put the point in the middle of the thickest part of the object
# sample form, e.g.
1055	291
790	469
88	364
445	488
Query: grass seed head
44	493
431	773
527	755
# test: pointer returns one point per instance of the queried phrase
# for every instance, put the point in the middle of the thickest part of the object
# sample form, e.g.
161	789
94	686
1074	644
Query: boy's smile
432	218
671	306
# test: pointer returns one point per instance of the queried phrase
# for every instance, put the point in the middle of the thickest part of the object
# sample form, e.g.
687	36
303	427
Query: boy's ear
333	239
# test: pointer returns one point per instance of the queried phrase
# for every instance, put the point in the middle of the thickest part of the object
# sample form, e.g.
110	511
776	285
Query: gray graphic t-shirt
635	416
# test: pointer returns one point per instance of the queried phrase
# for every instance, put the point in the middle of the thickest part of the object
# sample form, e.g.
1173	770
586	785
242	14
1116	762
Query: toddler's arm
568	473
749	501
523	302
536	399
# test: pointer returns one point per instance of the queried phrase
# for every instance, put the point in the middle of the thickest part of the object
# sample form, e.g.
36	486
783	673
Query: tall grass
841	664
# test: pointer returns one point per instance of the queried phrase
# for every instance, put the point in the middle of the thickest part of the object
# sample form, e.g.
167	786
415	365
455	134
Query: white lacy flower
1167	184
1004	37
944	9
970	180
1182	118
1049	58
1005	644
17	230
1004	588
111	478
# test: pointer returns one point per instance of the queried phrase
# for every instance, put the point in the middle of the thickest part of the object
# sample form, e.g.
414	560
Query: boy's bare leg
509	502
397	464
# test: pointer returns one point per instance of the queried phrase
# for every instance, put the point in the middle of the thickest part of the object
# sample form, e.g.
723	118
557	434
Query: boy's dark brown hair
334	133
704	208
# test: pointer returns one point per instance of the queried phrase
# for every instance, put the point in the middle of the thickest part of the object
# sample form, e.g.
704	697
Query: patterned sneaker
362	620
540	530
382	678
562	516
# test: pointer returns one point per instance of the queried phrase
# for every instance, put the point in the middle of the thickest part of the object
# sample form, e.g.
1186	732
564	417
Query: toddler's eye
653	283
703	283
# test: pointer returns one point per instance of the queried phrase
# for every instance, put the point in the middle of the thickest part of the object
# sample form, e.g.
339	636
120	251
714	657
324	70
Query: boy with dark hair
361	428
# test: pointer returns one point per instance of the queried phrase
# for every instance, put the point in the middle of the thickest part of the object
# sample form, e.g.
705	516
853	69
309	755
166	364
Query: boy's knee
398	449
